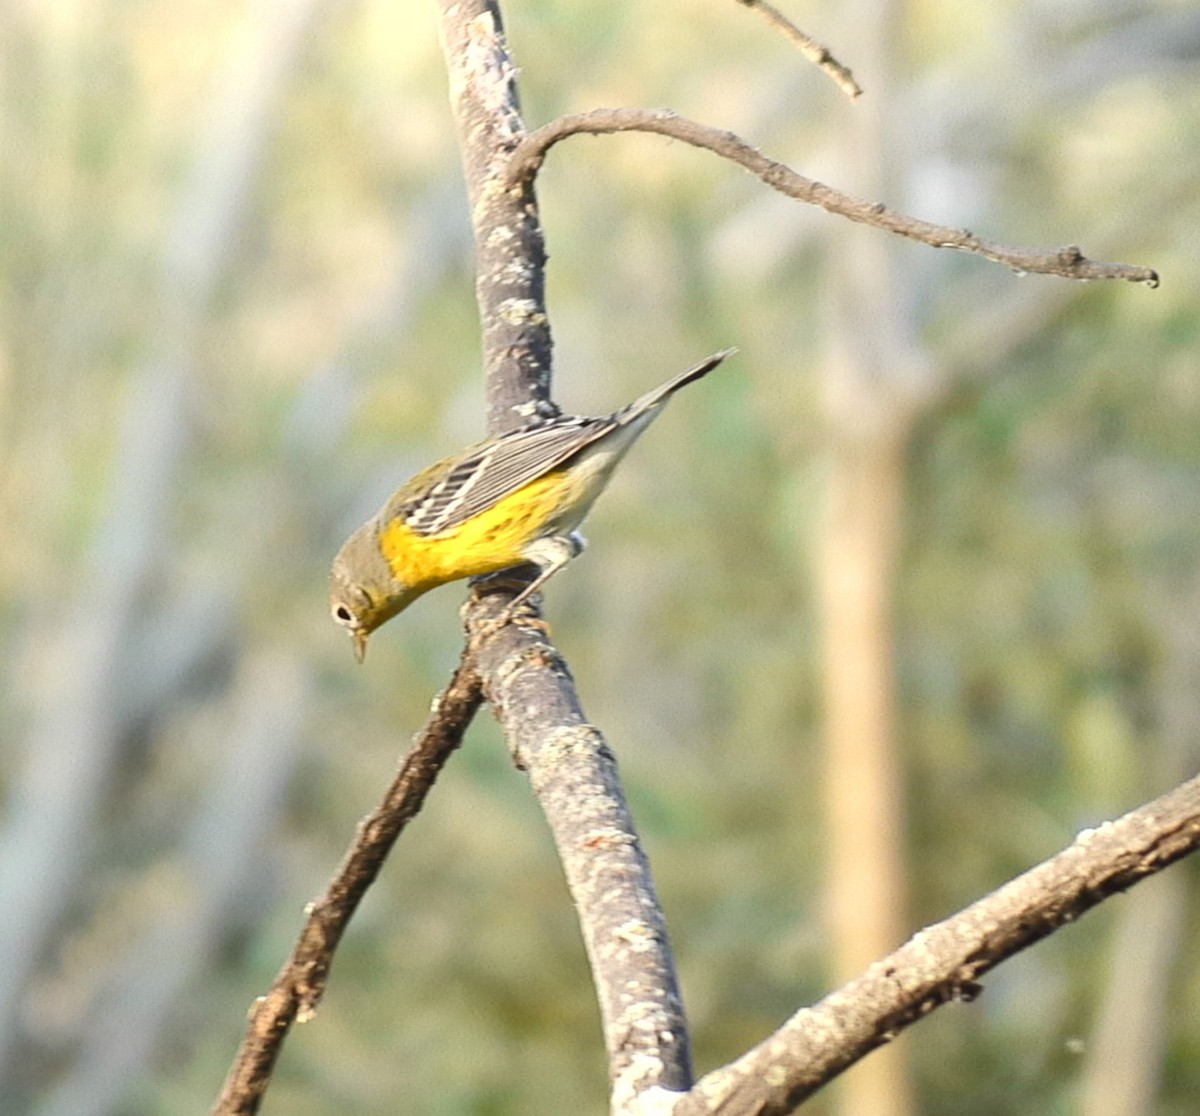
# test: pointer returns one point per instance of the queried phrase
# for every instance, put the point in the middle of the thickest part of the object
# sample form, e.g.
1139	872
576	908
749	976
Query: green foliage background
1047	602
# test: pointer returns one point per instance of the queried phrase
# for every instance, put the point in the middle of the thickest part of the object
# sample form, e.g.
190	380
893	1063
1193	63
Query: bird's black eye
343	614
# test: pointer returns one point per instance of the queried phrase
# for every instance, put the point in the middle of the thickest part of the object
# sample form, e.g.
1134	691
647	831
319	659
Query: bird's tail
659	395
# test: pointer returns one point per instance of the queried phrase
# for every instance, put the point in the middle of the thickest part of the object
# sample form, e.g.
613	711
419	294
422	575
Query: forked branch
570	766
1068	262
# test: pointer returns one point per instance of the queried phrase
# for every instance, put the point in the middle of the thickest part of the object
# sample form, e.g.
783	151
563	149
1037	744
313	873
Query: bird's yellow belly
491	540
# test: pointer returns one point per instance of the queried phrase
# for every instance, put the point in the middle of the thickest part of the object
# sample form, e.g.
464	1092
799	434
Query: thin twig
815	52
294	995
1068	262
943	962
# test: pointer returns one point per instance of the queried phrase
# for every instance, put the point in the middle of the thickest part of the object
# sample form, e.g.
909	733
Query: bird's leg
550	554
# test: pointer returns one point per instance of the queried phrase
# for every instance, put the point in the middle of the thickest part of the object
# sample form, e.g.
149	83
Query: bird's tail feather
659	395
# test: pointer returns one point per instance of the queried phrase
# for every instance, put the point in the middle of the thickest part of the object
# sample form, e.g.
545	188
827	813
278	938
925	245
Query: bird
509	500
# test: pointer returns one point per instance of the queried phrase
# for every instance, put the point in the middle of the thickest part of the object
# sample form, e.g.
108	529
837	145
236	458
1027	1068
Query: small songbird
503	502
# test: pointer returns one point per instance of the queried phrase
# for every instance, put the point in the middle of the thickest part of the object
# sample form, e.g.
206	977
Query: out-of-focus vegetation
236	309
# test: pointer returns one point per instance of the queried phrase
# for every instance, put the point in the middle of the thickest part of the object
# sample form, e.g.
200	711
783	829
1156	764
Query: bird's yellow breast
494	539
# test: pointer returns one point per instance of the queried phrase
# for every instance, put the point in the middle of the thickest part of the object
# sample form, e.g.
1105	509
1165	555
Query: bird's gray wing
485	474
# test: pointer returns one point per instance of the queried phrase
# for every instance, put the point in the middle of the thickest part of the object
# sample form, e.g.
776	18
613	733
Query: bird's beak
360	638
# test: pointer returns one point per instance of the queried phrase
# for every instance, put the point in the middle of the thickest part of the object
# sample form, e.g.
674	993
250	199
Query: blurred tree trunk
875	382
866	891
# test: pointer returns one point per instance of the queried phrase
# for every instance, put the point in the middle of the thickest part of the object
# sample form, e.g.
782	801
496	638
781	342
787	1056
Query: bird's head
363	592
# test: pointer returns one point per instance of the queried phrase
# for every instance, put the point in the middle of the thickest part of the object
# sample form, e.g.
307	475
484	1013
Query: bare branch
510	249
574	775
1068	262
943	962
570	768
814	51
294	995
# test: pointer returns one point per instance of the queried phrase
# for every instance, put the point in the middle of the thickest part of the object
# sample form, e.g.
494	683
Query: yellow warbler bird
503	502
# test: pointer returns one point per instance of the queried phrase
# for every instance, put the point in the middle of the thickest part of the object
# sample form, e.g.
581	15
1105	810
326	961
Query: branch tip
817	53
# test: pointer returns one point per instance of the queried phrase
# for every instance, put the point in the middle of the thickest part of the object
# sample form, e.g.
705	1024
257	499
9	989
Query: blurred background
879	615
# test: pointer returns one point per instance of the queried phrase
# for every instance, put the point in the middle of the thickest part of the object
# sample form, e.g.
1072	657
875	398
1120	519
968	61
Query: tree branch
943	962
294	995
574	775
510	250
818	54
571	769
1068	262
